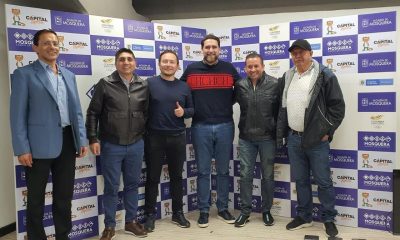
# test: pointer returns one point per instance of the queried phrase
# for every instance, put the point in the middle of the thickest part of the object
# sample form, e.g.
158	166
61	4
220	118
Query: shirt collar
46	66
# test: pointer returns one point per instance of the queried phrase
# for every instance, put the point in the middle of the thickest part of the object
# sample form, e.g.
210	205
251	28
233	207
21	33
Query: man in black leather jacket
258	97
119	107
312	109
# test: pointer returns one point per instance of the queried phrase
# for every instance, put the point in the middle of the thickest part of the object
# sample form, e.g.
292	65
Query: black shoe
149	220
179	219
203	220
298	223
226	216
330	229
268	219
241	220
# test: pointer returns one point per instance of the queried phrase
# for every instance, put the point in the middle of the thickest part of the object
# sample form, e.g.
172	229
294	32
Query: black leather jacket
120	114
258	108
324	113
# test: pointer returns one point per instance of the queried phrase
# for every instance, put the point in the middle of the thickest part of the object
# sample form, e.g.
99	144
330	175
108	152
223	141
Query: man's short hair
122	50
168	51
210	36
40	32
254	55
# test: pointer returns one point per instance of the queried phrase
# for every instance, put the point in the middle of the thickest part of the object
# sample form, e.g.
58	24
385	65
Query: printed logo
377	141
343	159
377	22
105	45
275	50
377	82
365	44
378	181
193	35
85	187
306	29
162	46
138	30
107	24
374	219
346	197
20	39
85	228
78	64
377	62
246	35
16	12
377	102
340	45
70	22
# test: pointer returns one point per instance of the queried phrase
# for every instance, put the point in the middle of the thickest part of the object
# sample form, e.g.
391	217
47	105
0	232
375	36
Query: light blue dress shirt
60	90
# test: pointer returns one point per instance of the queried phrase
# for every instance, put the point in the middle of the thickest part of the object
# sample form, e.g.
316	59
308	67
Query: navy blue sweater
163	97
212	90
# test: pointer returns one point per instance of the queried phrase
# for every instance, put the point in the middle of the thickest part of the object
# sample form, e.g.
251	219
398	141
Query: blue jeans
213	140
315	159
116	159
248	151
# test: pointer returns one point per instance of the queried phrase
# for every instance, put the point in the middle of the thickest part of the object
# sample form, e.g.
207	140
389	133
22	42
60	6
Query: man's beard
211	59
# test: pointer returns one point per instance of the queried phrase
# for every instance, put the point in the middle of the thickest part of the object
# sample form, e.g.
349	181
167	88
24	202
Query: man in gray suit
47	133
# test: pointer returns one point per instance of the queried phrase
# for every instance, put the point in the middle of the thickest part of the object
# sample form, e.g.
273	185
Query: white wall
117	9
7	199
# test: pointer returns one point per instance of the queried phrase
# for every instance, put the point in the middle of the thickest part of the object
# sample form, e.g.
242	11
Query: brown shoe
135	229
108	233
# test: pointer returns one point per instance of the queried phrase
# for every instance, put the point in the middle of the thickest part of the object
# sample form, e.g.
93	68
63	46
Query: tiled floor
254	230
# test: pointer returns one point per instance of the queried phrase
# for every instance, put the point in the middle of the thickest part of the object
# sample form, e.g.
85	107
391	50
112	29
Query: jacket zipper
324	116
129	111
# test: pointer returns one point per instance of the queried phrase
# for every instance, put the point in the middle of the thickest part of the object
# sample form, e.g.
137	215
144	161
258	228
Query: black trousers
159	146
63	175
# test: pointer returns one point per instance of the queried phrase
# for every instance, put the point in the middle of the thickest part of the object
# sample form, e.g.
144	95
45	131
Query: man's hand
83	151
179	110
95	148
325	138
25	159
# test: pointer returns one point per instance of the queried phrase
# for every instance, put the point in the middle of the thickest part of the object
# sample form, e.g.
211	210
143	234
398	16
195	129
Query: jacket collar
116	78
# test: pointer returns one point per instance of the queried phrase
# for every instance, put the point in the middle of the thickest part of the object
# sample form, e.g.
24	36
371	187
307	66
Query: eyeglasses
123	59
51	43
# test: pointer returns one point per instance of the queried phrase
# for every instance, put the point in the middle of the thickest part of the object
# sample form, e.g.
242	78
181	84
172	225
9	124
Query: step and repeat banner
360	49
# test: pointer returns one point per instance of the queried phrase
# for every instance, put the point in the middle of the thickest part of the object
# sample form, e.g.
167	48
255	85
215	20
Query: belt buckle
294	132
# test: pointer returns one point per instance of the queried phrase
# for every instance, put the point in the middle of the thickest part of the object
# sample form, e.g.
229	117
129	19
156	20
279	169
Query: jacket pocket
137	121
116	123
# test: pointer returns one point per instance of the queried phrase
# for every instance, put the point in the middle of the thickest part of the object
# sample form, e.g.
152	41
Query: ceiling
179	9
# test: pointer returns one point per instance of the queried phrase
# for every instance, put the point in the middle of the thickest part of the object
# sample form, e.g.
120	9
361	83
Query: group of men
129	118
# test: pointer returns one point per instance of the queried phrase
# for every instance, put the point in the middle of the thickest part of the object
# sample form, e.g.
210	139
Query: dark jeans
63	175
173	147
248	151
315	159
116	159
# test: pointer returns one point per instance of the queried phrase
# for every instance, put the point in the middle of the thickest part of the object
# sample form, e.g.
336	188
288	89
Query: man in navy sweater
170	103
211	81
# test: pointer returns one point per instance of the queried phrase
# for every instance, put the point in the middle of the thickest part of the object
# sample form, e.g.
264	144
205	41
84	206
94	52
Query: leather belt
294	132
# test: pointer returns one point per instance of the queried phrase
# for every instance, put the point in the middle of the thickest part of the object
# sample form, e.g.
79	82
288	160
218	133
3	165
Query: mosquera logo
84	228
377	102
374	219
340	45
379	181
377	141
